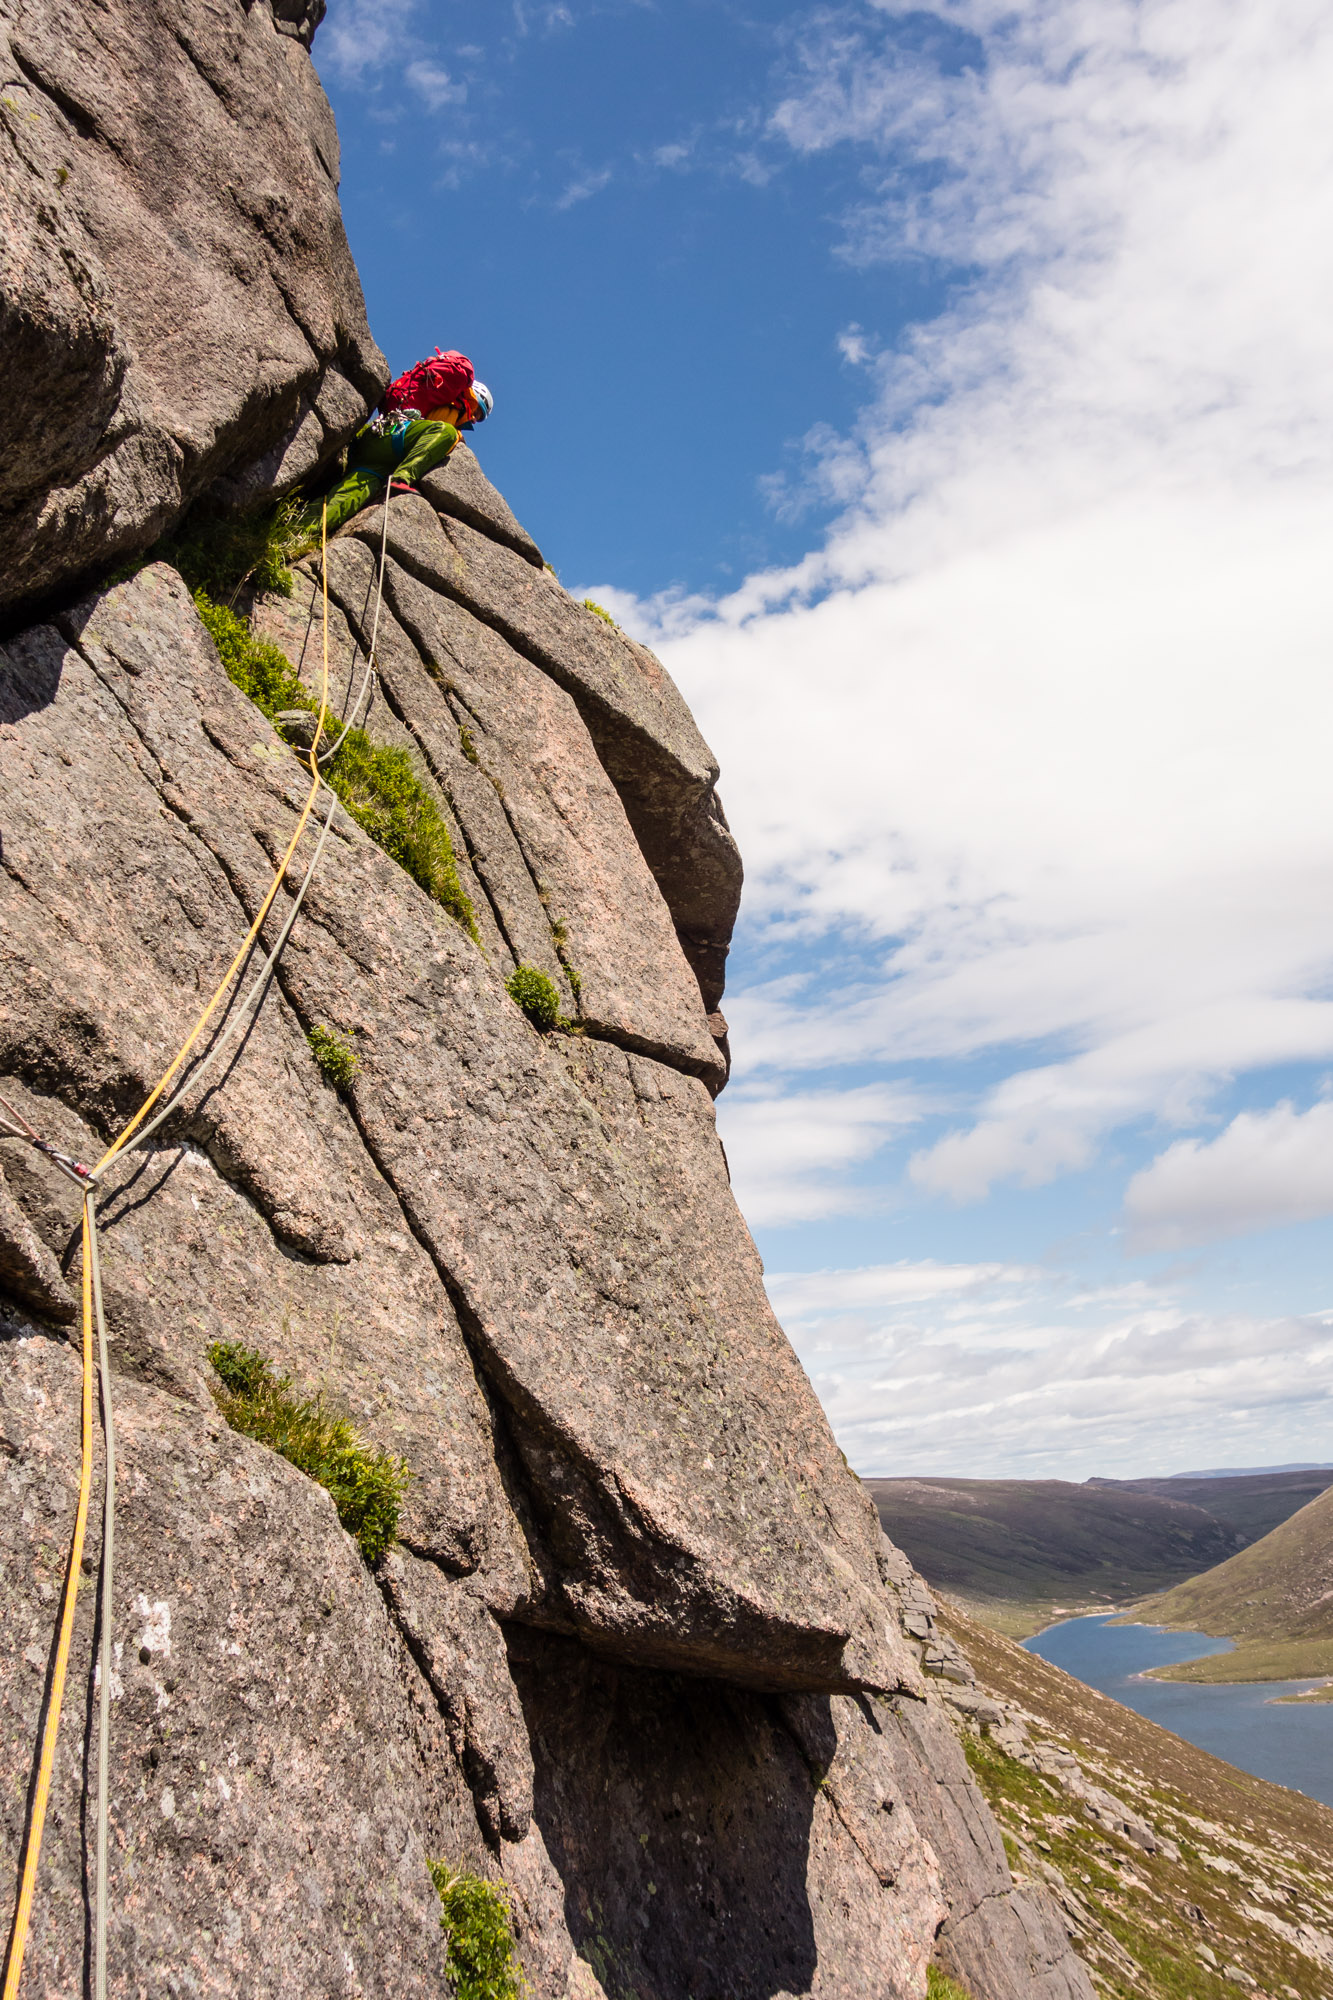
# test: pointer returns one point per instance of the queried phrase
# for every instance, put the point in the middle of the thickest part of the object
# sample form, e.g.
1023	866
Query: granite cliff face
641	1650
178	306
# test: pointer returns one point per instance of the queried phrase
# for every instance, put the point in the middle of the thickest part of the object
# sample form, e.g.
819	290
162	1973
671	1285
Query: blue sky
944	392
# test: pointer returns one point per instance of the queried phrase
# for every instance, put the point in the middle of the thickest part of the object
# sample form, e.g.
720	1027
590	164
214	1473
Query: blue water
1289	1744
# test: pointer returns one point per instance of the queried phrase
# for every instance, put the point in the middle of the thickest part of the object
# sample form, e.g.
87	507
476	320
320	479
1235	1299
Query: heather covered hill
1275	1599
1179	1876
1014	1549
1250	1502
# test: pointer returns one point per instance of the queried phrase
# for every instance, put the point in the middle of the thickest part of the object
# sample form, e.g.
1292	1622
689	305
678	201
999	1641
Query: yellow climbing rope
118	1144
28	1884
94	1324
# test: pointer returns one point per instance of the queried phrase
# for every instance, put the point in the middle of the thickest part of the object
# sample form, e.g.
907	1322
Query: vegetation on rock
221	553
600	611
1236	1892
386	798
335	1053
377	784
366	1485
536	995
257	667
474	1916
939	1986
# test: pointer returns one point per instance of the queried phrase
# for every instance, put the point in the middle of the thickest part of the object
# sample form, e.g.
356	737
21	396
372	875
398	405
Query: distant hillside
1015	1549
1253	1503
1252	1471
1179	1877
1274	1598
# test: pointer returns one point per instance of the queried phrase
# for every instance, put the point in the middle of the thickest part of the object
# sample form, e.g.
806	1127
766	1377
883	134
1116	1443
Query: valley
1020	1553
1176	1874
1274	1598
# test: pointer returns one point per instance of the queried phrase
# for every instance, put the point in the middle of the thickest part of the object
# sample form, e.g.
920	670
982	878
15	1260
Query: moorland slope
1252	1503
1017	1550
1179	1876
1275	1599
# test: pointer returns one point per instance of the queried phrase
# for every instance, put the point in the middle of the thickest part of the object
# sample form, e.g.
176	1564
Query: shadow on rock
678	1814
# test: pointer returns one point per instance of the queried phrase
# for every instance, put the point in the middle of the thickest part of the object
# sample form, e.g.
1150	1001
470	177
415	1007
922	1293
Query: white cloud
854	347
361	36
1044	721
1000	1371
584	186
786	1150
813	1295
435	85
1267	1167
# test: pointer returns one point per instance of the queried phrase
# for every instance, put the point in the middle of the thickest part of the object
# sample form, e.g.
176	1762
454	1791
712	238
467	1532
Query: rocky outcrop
640	1648
512	1258
178	306
643	733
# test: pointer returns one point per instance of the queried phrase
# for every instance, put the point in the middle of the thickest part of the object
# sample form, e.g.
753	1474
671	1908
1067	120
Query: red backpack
445	378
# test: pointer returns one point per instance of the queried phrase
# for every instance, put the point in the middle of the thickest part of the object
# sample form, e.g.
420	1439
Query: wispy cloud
434	85
584	186
789	1150
363	36
1043	722
999	1370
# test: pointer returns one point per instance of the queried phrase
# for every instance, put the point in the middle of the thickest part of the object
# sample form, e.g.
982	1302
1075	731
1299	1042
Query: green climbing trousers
403	451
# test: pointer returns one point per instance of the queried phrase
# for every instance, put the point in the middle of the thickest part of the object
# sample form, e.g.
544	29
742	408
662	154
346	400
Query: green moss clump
218	553
258	667
939	1986
378	786
474	1916
384	795
536	995
468	744
600	611
366	1486
335	1053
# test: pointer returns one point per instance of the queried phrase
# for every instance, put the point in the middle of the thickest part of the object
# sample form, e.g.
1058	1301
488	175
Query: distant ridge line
1251	1471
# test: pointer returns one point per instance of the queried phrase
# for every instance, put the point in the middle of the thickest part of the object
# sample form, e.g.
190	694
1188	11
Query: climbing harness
133	1135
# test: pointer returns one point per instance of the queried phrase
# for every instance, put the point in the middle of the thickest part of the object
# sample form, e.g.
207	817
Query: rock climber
414	430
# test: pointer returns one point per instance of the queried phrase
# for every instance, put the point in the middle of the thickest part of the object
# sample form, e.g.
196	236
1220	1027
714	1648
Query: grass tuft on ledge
536	995
378	785
366	1486
475	1918
939	1986
384	795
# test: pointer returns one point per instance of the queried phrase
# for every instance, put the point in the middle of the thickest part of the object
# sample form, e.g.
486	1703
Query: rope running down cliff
132	1136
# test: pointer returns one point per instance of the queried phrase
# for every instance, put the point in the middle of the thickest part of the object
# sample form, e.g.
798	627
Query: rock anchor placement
639	1652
